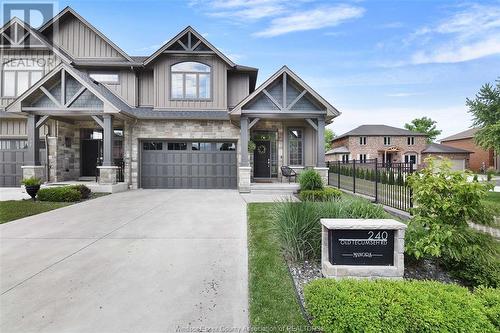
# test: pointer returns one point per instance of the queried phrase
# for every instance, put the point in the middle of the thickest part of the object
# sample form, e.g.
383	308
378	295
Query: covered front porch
282	125
85	136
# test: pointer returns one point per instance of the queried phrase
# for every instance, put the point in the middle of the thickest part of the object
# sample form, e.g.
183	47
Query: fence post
353	176
411	191
376	179
338	174
328	173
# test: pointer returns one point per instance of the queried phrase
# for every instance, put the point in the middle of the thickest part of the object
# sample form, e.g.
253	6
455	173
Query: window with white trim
410	140
387	140
362	158
18	75
295	146
190	80
108	78
362	140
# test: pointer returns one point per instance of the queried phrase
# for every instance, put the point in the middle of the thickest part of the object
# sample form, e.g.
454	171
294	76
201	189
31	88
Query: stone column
244	168
108	140
108	174
320	156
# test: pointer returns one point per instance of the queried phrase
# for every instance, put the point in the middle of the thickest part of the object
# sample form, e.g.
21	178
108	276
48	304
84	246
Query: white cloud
243	10
471	33
318	18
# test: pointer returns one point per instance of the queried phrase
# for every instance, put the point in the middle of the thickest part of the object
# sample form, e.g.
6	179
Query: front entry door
89	156
262	159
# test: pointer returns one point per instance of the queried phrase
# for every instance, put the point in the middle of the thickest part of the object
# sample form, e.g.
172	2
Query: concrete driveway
138	261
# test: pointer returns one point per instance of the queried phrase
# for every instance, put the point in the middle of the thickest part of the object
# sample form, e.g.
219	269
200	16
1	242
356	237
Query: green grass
492	201
273	303
17	209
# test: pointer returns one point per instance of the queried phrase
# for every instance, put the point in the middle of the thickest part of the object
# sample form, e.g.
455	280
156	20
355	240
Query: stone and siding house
74	106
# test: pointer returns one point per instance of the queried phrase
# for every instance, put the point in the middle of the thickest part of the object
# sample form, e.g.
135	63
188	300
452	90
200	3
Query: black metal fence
120	175
385	183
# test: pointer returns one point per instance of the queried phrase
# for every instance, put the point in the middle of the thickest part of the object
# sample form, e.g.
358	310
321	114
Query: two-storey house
75	106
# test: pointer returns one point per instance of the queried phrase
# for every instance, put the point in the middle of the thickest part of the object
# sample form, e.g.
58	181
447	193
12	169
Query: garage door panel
202	169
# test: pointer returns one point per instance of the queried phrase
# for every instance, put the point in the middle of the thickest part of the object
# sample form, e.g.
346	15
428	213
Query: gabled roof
467	134
181	34
99	90
338	150
436	148
36	35
70	11
330	109
379	130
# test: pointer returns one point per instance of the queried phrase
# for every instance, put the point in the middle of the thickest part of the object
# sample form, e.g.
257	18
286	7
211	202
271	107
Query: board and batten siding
146	88
82	42
162	84
238	87
127	88
45	57
16	128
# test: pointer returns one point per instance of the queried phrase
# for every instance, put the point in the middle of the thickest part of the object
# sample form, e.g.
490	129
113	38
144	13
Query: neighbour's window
387	140
109	78
177	146
345	158
411	159
362	158
152	145
362	140
410	140
190	80
18	75
295	146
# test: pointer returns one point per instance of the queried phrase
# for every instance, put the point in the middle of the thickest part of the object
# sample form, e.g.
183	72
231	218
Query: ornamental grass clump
298	228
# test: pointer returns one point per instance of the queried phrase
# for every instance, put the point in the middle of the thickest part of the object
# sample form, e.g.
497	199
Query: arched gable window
190	80
18	75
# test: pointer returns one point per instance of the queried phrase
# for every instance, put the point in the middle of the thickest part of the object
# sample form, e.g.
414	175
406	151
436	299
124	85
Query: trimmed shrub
395	306
310	180
298	227
490	298
326	194
59	194
84	190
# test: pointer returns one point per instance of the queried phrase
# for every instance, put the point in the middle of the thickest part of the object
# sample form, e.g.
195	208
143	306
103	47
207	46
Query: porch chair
288	172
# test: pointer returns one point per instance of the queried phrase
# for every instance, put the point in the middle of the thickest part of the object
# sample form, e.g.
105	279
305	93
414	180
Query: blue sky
376	61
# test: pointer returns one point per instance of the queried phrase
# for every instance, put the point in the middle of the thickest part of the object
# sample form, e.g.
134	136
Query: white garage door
457	164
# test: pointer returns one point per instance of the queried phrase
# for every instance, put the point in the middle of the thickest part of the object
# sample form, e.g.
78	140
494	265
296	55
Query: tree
329	135
424	125
485	109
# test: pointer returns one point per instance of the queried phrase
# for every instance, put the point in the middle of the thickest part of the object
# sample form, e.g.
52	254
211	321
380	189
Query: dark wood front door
89	156
261	159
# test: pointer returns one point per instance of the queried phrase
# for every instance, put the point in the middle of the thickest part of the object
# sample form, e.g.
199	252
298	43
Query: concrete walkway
13	193
138	261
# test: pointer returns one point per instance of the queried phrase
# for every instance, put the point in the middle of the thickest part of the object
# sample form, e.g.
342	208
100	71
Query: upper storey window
190	80
18	75
109	78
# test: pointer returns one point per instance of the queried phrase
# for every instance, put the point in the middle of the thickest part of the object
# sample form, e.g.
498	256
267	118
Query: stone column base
244	179
323	172
37	171
107	175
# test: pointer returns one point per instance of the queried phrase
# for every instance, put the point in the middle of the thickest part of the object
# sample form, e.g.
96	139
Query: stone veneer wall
65	160
171	129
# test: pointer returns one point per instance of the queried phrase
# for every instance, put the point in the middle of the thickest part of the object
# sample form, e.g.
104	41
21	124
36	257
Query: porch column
108	140
33	140
244	141
320	159
244	169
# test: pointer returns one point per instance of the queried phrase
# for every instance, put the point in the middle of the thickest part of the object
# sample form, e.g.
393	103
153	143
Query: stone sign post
359	248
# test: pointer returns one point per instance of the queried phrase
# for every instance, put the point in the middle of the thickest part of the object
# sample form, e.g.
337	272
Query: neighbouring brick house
480	157
391	145
74	106
386	143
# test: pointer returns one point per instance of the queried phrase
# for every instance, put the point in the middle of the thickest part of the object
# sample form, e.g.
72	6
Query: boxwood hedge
59	194
399	306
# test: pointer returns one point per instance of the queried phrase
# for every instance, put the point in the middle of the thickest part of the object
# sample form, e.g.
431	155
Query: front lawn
273	302
493	200
17	209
